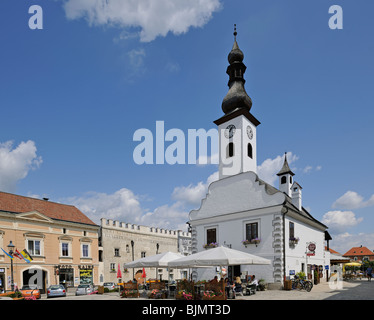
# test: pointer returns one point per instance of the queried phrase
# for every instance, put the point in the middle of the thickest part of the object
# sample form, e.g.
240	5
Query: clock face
230	131
249	132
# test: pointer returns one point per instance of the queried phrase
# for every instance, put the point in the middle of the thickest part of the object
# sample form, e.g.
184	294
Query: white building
240	206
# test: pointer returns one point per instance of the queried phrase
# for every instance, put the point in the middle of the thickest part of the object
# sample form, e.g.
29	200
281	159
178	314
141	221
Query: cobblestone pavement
352	290
349	290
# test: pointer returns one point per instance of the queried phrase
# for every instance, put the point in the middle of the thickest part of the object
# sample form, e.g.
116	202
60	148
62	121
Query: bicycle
298	283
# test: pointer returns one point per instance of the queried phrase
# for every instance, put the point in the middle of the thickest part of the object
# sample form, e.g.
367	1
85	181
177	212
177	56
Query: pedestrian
368	273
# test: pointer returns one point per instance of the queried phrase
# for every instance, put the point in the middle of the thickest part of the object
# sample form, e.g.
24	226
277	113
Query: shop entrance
66	276
35	276
233	272
2	280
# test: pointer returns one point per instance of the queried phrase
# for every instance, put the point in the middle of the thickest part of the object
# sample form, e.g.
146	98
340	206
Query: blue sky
74	93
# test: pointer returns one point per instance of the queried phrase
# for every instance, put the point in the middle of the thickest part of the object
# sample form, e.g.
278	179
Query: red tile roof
332	251
358	251
20	204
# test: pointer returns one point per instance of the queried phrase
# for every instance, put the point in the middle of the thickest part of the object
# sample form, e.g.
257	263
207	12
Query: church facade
243	212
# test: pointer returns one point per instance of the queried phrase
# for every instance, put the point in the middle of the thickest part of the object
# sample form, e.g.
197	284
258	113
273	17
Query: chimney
296	195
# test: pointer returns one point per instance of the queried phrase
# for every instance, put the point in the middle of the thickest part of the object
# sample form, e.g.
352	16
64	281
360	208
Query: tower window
283	180
250	151
230	150
291	180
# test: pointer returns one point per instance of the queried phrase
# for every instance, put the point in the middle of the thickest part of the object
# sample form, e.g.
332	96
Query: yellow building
61	240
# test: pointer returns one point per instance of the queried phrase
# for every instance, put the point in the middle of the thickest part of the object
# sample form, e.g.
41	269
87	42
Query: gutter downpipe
284	211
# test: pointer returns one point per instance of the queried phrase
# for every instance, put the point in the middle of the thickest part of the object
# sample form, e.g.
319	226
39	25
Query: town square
186	157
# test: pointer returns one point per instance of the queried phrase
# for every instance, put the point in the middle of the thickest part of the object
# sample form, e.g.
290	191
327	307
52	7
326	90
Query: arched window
230	150
283	180
250	151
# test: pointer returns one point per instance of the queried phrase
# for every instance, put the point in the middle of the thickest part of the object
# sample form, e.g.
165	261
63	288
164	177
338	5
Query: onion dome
237	97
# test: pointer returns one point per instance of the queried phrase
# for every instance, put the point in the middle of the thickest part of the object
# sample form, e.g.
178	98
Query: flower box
184	295
294	240
130	294
255	241
210	245
157	294
211	295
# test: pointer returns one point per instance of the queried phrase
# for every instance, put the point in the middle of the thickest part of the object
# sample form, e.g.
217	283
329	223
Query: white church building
245	213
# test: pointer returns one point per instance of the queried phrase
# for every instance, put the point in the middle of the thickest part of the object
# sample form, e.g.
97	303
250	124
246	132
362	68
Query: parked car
57	290
84	289
30	291
109	285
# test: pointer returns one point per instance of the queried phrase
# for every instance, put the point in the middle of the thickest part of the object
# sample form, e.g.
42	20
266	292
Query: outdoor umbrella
119	274
144	275
220	256
353	264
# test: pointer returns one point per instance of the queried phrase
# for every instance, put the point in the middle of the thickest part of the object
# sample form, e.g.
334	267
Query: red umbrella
119	274
144	275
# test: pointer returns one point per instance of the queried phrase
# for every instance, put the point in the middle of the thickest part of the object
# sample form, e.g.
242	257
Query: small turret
285	177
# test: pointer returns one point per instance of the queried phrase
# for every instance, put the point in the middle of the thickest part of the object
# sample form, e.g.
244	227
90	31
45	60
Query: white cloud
123	205
352	200
15	163
268	169
172	67
345	241
154	18
307	169
136	58
193	194
168	217
340	221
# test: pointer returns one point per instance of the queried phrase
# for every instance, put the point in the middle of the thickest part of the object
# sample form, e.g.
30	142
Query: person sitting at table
228	288
238	286
253	280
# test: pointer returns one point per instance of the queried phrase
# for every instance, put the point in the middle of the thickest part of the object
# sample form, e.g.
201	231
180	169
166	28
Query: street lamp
132	247
11	247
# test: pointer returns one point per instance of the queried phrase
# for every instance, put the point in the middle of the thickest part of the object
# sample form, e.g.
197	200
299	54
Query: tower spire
286	168
236	97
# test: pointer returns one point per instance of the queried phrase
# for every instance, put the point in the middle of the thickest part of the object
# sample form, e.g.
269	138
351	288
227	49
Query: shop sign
311	249
85	273
2	270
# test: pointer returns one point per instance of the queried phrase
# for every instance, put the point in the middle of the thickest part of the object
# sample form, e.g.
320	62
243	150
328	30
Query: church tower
237	128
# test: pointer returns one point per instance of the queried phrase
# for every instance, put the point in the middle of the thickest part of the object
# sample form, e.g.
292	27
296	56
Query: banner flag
18	255
7	254
26	256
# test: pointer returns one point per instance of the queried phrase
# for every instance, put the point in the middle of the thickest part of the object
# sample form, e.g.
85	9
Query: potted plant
262	285
246	242
294	240
256	241
316	277
301	275
210	245
184	295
